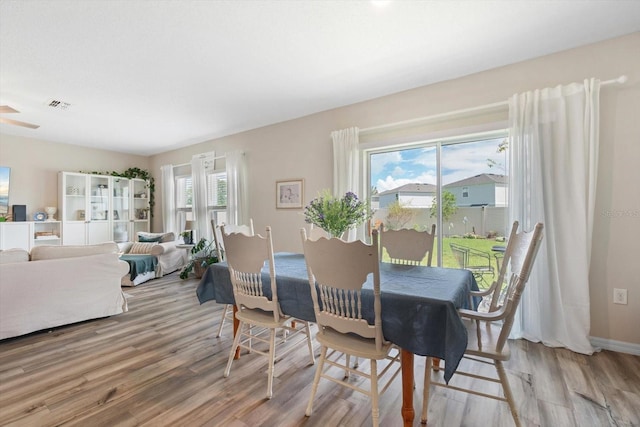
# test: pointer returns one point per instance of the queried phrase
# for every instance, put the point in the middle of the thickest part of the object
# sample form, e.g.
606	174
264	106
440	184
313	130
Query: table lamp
188	226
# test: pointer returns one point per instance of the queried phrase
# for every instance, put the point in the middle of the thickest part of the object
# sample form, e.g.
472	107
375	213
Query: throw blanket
139	264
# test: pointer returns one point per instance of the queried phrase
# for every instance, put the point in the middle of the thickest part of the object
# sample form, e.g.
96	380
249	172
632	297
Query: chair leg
316	380
236	342
427	386
346	371
435	362
355	365
224	317
309	344
375	411
272	356
507	391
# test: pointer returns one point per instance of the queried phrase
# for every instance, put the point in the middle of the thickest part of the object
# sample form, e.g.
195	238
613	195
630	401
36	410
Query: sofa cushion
142	248
13	255
164	237
71	251
147	239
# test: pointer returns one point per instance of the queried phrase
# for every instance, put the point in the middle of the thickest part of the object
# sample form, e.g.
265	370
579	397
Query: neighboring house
375	201
415	195
486	189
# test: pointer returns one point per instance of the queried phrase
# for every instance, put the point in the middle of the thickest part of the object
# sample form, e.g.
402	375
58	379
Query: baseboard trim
613	345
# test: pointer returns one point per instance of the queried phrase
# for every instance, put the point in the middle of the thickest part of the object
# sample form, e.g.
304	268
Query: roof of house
483	178
416	187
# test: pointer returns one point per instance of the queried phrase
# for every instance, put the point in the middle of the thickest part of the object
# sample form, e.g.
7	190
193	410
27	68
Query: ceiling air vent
58	105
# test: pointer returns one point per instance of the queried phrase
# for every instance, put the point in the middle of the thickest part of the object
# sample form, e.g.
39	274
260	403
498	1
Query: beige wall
35	165
302	148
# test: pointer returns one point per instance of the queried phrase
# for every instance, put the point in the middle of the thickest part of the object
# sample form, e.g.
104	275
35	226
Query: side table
187	248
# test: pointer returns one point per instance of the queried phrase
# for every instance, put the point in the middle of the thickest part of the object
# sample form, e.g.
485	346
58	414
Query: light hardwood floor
160	365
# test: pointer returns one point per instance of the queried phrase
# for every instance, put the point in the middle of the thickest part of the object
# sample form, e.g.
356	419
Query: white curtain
553	149
346	169
237	192
200	164
168	200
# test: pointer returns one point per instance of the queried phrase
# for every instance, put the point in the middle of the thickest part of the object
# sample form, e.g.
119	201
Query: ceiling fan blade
18	123
7	109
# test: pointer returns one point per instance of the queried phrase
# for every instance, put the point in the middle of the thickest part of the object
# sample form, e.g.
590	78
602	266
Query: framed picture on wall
289	194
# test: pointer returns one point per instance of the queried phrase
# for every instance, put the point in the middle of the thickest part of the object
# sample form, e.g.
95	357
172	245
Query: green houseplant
336	215
187	237
202	255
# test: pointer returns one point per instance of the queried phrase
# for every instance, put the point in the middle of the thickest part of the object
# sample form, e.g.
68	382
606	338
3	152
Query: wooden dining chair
494	293
337	272
487	333
474	260
316	233
257	311
227	312
407	246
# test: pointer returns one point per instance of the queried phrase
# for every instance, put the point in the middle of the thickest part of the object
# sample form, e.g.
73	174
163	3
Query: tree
449	206
502	147
398	216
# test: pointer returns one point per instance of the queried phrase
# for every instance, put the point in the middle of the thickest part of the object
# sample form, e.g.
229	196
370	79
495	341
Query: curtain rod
487	107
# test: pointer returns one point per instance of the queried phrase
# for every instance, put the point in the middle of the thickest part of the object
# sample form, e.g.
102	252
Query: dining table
419	308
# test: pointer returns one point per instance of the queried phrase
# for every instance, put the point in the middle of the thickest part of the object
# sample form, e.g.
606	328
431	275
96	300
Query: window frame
185	212
369	149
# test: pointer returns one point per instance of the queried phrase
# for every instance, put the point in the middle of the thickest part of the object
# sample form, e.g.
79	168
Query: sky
418	165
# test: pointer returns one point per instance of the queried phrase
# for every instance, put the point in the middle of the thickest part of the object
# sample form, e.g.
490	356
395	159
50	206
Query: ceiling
148	76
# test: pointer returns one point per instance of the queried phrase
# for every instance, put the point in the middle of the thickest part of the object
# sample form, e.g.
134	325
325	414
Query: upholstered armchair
162	246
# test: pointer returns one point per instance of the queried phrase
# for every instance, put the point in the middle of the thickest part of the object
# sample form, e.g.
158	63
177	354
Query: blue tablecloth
419	304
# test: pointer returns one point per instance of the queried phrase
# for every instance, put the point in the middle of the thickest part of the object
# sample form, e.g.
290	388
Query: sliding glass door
459	184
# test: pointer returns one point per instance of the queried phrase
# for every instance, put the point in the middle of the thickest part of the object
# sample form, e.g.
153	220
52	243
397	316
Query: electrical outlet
619	296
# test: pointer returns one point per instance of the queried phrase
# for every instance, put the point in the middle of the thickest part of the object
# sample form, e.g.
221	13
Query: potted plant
187	237
336	215
202	255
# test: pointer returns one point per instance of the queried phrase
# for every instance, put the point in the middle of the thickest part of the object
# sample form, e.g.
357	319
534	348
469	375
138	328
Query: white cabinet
46	233
100	208
27	234
130	201
15	235
84	202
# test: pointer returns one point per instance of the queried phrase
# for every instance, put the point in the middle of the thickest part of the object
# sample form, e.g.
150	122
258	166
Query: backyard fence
479	220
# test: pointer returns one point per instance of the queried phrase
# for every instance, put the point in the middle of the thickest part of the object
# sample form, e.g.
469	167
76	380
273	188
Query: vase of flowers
336	215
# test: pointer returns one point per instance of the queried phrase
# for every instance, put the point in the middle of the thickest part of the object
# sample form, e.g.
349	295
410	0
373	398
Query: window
465	172
216	195
217	190
184	193
184	200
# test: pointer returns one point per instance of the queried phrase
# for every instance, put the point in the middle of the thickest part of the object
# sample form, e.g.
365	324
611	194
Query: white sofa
163	247
59	285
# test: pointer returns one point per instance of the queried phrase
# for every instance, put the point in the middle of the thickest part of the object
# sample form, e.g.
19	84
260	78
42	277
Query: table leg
236	323
406	358
436	364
